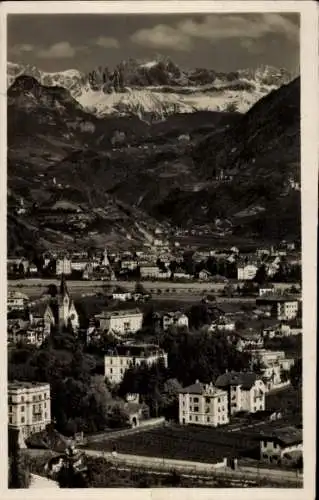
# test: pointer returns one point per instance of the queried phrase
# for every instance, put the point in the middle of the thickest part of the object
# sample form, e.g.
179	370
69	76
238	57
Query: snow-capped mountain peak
157	88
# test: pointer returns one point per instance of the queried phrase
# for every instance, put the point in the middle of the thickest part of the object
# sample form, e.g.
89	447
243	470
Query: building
151	271
123	357
222	324
273	364
282	308
16	301
248	340
29	407
203	404
246	391
59	311
177	319
63	266
121	294
121	322
78	264
246	272
266	290
283	446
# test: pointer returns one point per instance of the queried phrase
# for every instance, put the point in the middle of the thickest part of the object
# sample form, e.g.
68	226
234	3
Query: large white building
29	407
246	391
63	266
123	357
121	322
203	404
16	301
282	308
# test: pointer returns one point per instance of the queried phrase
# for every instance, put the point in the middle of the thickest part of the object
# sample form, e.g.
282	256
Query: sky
223	42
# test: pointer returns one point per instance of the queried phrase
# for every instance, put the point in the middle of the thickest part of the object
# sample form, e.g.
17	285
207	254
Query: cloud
19	49
217	27
234	26
61	50
161	37
107	42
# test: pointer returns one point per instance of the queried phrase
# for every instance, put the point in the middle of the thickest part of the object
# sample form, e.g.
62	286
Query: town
193	347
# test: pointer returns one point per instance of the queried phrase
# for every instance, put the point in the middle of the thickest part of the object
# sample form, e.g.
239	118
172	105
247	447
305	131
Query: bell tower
64	303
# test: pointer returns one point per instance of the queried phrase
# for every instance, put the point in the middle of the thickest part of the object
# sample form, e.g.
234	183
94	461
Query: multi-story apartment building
29	407
63	266
246	391
123	357
203	404
121	322
16	301
282	308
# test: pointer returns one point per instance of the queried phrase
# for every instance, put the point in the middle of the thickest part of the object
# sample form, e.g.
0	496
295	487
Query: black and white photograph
154	249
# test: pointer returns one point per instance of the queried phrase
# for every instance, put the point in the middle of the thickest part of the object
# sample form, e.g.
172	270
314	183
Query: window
111	370
45	405
45	415
9	399
196	408
111	361
196	418
33	398
265	444
22	399
218	400
10	420
22	420
207	400
190	417
195	400
190	408
10	408
22	408
219	410
275	446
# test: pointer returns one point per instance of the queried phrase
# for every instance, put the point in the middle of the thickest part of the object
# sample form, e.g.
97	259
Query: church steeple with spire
64	303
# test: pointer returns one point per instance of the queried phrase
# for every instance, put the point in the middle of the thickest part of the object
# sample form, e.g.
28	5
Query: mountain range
122	177
156	89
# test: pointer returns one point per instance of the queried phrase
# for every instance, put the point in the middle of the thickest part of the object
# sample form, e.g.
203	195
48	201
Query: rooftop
119	313
286	435
245	379
201	389
130	350
25	385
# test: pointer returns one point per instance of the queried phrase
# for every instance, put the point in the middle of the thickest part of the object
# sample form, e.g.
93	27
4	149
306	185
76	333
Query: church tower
63	303
105	260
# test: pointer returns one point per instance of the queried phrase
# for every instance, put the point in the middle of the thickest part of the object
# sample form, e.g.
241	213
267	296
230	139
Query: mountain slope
153	90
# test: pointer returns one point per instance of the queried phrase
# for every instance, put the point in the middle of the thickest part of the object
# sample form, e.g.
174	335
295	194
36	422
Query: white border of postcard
309	180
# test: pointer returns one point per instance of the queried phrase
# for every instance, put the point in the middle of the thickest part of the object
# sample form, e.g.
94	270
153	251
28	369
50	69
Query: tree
53	290
261	275
19	472
118	417
139	288
295	373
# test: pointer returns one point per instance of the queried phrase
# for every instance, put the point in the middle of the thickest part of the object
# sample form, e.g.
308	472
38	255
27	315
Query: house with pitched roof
246	391
281	446
203	404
